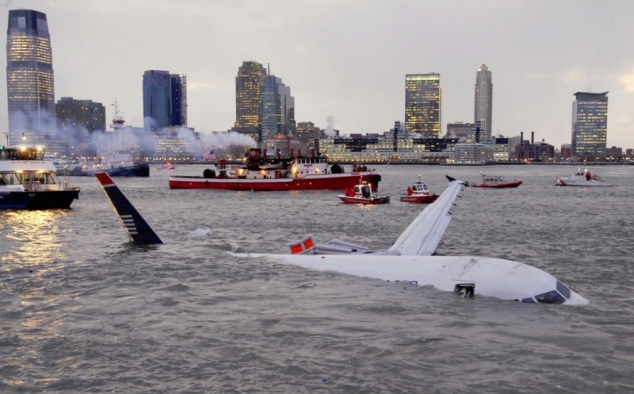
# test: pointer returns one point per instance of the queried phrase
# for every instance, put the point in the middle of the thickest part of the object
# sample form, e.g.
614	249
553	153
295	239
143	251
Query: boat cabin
420	187
23	167
363	190
492	179
22	152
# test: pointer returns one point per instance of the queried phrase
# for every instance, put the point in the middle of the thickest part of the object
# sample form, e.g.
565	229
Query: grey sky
348	59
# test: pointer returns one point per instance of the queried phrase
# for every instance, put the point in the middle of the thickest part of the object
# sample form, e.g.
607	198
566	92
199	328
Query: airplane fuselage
504	279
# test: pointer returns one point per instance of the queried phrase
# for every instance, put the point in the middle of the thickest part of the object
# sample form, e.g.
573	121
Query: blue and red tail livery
136	227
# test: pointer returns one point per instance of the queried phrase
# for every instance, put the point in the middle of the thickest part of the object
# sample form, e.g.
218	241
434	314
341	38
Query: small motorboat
362	194
418	193
167	166
496	181
583	178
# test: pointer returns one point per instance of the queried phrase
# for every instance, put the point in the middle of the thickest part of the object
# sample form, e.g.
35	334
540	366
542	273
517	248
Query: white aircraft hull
504	279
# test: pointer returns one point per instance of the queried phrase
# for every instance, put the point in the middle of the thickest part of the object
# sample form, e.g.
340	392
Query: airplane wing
422	236
136	227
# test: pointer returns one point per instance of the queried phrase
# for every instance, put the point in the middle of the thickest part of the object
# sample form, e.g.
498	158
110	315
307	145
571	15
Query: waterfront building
249	99
614	153
566	151
484	100
77	121
389	147
80	113
164	99
177	144
460	130
499	150
283	145
308	133
30	81
589	126
471	153
423	104
278	108
540	151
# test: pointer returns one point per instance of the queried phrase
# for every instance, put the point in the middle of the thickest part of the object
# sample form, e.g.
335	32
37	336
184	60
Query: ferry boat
582	178
116	164
27	181
262	173
496	181
362	194
418	193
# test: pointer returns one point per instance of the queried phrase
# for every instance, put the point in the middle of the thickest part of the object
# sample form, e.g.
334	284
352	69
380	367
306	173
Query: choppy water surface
81	310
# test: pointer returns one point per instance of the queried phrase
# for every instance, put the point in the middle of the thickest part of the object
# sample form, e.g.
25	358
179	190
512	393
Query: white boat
583	178
167	166
28	181
362	194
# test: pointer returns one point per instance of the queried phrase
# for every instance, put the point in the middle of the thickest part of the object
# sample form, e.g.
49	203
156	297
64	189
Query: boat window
501	178
552	297
563	289
10	179
529	300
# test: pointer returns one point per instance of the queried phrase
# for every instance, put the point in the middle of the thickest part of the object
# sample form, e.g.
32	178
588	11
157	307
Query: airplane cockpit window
552	297
563	289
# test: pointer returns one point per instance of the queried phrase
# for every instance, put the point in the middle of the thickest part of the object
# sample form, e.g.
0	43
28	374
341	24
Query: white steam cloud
330	130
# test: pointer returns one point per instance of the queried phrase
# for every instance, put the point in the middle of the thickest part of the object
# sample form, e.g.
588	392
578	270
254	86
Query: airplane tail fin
136	227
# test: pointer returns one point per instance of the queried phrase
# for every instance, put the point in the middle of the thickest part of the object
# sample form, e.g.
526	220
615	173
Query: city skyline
349	67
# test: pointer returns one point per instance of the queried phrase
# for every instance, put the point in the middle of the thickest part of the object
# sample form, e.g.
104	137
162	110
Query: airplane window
552	297
563	289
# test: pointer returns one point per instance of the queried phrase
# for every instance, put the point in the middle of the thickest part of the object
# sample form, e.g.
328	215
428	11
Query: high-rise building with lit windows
422	104
589	126
30	80
484	101
250	83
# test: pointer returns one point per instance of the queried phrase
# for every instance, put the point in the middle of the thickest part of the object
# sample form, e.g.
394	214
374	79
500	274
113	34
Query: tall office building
250	83
484	100
589	126
30	80
164	99
278	108
422	104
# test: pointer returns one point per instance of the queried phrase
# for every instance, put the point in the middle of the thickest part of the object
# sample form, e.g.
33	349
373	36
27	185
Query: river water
82	310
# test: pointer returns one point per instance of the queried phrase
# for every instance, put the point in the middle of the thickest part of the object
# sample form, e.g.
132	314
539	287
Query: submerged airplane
409	259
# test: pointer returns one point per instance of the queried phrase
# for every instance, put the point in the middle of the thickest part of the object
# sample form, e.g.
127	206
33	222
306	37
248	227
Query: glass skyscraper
422	104
30	80
278	108
589	126
164	99
250	83
484	101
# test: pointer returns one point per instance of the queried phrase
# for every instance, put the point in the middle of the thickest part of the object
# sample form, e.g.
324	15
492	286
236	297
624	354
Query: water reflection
32	237
33	255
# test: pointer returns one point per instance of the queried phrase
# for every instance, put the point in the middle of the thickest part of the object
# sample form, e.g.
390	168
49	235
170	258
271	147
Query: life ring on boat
253	153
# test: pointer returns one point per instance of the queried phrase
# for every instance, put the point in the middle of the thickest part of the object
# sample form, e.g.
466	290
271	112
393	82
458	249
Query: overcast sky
347	59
